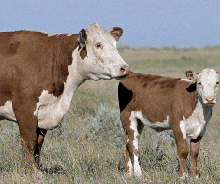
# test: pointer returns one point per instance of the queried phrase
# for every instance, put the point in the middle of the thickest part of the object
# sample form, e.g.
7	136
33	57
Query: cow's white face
103	60
207	85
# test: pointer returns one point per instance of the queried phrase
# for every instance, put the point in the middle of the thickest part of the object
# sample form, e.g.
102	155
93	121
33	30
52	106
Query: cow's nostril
125	70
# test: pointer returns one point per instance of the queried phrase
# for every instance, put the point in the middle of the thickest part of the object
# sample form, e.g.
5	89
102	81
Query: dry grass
89	146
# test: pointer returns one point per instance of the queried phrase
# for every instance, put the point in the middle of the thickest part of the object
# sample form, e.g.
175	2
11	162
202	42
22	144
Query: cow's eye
99	46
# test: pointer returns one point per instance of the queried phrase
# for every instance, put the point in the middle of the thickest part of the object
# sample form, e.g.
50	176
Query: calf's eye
99	46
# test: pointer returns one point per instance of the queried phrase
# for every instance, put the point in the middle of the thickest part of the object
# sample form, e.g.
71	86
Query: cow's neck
74	80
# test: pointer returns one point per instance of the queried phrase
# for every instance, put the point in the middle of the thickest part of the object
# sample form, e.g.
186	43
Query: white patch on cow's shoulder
49	111
7	112
195	125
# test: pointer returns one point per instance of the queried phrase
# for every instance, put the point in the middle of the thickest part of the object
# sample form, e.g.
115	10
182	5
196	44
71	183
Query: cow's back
34	47
21	42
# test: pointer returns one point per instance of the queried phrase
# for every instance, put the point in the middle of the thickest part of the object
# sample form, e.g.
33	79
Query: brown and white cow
40	73
164	103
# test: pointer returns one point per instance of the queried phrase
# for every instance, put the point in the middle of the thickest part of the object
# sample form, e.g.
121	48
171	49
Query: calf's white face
207	85
103	60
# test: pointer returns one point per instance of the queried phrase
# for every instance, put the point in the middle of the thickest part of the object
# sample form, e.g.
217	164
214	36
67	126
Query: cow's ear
192	87
82	38
191	75
116	32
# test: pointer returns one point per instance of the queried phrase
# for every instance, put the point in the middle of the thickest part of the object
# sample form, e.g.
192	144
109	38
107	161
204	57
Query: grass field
89	145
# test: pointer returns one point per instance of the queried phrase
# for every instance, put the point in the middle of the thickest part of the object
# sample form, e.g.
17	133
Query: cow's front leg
182	149
41	135
27	122
28	133
194	152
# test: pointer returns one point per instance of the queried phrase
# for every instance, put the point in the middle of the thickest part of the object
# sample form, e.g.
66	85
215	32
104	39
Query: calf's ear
82	38
116	32
191	75
191	88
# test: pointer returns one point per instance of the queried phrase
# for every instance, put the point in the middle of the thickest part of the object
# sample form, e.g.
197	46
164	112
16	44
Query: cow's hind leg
134	128
194	152
40	134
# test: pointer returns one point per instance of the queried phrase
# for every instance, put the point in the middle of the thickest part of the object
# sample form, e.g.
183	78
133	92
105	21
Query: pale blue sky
145	22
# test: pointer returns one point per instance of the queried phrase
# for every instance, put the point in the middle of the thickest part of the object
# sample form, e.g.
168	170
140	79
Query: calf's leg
182	149
126	123
194	152
133	128
128	163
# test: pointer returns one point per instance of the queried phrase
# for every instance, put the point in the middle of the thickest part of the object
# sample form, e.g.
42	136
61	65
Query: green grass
89	145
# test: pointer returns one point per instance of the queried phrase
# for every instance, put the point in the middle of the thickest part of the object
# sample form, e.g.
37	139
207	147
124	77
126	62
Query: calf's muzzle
210	100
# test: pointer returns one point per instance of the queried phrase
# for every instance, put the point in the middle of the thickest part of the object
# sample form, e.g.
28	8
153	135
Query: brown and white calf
40	73
163	103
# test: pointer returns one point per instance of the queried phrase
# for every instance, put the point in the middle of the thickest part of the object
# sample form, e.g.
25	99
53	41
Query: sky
154	23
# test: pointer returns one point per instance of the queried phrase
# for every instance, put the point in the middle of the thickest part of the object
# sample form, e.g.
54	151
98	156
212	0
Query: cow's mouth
122	76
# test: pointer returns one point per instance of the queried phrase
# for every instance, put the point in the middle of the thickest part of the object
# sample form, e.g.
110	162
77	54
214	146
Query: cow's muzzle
124	71
210	101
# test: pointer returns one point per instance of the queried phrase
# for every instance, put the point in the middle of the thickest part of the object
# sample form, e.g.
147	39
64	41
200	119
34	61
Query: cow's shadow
56	169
